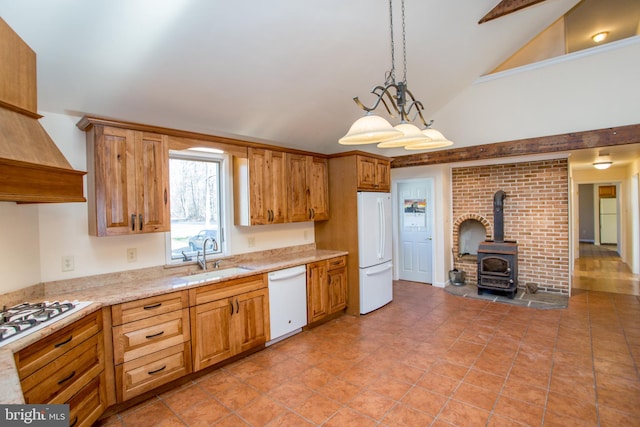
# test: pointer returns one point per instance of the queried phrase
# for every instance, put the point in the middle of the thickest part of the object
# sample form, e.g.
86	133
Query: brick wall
536	216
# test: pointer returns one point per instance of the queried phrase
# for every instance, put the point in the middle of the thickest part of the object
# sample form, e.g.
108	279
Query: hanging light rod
398	100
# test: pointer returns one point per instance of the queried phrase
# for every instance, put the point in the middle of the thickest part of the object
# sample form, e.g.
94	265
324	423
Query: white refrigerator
608	221
374	248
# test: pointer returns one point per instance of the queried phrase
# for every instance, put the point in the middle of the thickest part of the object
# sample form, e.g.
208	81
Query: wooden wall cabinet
374	174
607	191
274	187
308	191
326	288
151	343
128	181
67	367
260	188
228	318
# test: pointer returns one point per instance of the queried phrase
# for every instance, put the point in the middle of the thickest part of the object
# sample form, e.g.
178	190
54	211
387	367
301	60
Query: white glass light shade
369	129
436	140
602	165
429	145
410	135
433	134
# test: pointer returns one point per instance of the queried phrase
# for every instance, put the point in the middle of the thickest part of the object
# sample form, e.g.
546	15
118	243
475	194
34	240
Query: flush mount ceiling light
398	100
602	165
599	37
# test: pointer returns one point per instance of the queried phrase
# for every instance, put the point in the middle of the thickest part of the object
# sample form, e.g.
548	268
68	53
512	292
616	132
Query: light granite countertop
116	288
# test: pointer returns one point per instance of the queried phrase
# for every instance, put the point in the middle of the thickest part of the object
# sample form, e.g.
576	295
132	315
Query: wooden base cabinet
326	288
151	371
337	283
228	319
151	343
67	367
87	406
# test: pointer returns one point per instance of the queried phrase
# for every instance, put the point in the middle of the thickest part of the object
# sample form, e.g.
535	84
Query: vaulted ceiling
282	72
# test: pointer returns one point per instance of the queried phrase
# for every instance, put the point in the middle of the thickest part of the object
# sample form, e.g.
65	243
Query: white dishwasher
287	302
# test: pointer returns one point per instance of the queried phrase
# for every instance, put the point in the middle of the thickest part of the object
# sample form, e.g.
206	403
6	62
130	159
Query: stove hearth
497	258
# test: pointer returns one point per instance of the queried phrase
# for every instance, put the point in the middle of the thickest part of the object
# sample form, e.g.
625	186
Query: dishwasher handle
286	274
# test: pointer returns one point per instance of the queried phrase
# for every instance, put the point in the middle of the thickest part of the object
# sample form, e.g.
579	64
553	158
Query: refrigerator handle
381	224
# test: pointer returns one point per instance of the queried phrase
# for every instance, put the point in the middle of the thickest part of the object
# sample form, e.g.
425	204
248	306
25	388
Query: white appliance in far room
374	249
608	221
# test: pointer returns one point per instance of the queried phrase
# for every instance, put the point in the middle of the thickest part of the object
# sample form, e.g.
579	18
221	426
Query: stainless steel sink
213	275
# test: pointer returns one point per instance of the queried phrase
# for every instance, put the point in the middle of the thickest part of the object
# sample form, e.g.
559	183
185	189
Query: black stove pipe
498	216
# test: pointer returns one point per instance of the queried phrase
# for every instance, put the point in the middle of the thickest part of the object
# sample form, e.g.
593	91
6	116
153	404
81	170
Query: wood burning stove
497	258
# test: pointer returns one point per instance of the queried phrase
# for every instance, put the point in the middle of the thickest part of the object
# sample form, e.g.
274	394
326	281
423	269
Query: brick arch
456	227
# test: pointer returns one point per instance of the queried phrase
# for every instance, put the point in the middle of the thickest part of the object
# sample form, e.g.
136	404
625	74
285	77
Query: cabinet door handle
237	306
75	421
60	344
140	217
157	370
231	304
152	306
67	378
133	222
154	335
313	213
165	196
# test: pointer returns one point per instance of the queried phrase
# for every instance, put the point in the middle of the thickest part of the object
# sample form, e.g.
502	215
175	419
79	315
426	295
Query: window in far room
196	182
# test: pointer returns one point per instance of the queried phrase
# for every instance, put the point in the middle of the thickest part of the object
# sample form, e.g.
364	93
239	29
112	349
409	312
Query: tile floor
429	358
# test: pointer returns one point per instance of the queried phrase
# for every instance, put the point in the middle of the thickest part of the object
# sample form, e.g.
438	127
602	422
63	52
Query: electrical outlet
67	263
132	255
251	241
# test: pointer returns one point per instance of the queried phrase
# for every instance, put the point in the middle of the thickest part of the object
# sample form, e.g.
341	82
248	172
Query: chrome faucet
203	262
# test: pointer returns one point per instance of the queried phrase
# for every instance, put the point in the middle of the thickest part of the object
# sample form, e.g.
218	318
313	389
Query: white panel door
415	213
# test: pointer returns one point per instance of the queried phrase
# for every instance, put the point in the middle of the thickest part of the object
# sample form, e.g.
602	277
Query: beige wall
33	238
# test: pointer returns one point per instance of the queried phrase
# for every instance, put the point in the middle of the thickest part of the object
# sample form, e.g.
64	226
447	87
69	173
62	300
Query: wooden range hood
32	168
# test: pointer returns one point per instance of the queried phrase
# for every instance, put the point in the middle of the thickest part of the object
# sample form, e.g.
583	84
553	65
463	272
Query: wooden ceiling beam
546	144
506	7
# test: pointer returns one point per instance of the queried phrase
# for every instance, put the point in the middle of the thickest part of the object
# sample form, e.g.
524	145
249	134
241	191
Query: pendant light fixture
398	100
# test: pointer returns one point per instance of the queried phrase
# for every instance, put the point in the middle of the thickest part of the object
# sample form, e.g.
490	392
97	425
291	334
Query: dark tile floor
429	358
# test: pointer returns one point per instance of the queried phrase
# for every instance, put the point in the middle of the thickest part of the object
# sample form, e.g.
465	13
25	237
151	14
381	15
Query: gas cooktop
23	319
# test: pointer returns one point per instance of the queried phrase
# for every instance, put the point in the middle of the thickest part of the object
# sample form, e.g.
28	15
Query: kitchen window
196	183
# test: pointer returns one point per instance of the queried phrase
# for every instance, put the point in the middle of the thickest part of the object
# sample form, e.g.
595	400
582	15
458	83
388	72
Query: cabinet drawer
338	262
59	380
90	402
137	339
148	307
148	372
35	356
216	291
